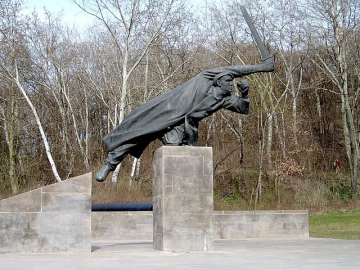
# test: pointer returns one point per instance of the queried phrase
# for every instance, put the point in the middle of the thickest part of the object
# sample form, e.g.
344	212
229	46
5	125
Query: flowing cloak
186	104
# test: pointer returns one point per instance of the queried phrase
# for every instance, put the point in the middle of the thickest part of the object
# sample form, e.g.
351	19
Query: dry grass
120	192
316	194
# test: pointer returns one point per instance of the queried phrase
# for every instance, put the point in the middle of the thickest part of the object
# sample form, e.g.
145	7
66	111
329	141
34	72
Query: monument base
183	198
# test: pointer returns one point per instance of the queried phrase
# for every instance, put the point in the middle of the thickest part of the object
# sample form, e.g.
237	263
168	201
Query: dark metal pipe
144	206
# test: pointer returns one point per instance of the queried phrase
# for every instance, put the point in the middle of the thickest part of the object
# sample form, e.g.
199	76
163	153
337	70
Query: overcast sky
71	12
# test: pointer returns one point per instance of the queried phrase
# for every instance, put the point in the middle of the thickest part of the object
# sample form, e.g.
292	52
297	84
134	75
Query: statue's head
224	81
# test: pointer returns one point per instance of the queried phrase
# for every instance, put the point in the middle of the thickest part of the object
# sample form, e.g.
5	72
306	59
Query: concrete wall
122	226
54	218
115	226
261	224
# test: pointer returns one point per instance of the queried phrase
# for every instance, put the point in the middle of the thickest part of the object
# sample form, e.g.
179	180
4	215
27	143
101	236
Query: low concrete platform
309	253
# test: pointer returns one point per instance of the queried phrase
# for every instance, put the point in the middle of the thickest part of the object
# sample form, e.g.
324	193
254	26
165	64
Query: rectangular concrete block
188	241
71	223
55	218
26	202
75	202
15	223
183	198
261	224
109	226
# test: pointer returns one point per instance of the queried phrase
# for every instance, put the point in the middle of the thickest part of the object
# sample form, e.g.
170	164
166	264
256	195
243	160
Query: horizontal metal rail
144	206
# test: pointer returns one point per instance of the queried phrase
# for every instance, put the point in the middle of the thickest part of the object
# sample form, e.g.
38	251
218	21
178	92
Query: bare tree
339	20
13	38
16	79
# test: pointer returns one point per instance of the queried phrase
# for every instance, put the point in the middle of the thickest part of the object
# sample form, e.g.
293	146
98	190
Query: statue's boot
101	175
114	158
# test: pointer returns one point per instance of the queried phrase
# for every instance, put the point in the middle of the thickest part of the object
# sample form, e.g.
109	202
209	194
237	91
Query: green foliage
232	198
339	187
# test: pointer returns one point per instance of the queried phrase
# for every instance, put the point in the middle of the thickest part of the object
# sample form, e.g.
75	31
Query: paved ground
310	253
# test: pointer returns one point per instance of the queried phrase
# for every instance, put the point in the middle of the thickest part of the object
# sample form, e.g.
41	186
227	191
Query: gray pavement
308	253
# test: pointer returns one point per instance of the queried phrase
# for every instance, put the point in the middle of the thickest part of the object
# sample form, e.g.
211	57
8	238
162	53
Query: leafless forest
63	88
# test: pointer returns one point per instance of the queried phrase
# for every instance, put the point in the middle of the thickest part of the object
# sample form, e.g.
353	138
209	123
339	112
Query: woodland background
63	88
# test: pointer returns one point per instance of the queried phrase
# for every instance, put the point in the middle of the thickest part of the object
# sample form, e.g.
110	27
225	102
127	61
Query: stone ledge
118	226
183	151
261	224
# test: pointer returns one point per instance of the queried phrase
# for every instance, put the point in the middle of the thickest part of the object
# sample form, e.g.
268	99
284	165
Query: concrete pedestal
183	198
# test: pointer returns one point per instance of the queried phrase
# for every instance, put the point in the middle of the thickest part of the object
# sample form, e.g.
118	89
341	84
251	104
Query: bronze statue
174	117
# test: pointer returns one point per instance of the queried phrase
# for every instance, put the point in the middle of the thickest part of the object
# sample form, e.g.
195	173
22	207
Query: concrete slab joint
54	218
183	198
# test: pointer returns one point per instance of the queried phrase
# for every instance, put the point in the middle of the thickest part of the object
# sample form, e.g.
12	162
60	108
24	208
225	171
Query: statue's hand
269	64
243	87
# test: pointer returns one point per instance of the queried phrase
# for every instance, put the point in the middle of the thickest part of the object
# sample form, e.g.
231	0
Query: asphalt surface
308	253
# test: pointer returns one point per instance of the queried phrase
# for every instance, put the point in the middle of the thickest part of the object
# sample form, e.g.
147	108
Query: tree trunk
351	143
318	108
269	139
258	192
261	131
116	174
133	169
294	111
350	134
283	124
86	161
12	153
76	131
122	108
138	163
41	130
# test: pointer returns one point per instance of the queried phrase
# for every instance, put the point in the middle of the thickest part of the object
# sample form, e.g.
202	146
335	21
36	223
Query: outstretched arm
239	71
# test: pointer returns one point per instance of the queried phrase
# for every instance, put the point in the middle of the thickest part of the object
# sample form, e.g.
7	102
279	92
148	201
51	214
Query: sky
71	12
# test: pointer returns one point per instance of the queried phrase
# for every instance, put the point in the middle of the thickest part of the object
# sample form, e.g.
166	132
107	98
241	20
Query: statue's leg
174	136
114	158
